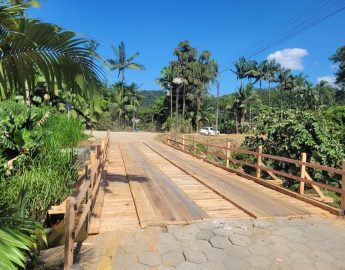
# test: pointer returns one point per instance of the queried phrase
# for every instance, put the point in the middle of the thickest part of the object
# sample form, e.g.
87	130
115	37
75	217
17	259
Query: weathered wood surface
116	209
256	200
214	205
158	199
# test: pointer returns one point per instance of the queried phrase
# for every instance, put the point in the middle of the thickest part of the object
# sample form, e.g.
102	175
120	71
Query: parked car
209	131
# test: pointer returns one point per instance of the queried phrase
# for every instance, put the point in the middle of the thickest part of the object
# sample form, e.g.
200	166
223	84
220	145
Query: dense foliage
294	132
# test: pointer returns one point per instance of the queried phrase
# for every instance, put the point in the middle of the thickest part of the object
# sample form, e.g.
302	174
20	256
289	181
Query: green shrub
291	133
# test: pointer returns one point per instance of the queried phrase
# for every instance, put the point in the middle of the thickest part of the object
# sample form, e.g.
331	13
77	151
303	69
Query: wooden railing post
182	141
69	232
259	162
303	173
92	166
342	204
228	154
102	150
193	150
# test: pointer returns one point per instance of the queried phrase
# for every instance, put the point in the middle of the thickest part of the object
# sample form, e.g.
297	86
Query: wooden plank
235	189
170	203
312	203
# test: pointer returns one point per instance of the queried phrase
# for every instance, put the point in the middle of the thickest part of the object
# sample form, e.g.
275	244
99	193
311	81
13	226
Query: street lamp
169	93
177	81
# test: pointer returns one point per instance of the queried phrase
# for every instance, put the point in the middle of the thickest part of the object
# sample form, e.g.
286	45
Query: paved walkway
309	243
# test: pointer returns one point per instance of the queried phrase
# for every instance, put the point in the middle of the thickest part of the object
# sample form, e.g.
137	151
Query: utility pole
217	109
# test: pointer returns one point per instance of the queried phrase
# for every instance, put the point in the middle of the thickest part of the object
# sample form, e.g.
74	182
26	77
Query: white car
209	131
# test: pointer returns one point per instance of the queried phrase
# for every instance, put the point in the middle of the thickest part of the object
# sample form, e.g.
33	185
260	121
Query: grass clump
47	177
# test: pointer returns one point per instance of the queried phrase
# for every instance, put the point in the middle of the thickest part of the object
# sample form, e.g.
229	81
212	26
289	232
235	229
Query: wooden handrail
88	192
260	166
283	159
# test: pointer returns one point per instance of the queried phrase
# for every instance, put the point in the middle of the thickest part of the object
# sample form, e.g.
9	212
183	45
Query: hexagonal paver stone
166	237
188	266
125	259
200	245
236	263
149	258
299	257
135	247
263	224
184	237
173	258
195	256
220	242
138	266
323	256
204	235
239	240
222	231
164	267
215	254
213	266
238	251
259	261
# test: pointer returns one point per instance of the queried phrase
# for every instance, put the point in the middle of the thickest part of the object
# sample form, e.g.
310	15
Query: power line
293	32
327	11
295	19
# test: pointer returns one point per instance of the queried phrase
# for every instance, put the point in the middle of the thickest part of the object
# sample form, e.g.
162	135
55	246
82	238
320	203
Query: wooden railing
303	178
79	207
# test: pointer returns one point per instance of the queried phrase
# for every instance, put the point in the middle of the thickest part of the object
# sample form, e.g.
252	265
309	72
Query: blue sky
226	28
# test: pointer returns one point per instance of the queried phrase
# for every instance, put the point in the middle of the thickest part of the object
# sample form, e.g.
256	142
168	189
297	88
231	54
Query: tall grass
49	178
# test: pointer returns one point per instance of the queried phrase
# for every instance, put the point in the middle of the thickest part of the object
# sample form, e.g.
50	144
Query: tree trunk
236	120
269	92
122	82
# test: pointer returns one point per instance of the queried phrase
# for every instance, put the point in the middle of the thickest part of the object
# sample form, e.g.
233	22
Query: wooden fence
79	207
187	144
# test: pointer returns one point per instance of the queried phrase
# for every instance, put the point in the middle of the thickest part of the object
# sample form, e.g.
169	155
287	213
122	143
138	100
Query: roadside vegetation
52	88
276	108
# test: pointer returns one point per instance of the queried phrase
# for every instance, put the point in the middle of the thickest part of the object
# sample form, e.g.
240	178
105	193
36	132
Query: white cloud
289	58
329	79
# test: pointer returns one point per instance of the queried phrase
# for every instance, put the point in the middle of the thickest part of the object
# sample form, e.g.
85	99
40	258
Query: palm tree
29	48
241	69
284	78
119	105
121	63
251	70
245	99
271	67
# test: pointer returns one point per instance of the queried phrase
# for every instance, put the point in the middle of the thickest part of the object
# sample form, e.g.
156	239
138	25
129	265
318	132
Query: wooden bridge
150	183
133	181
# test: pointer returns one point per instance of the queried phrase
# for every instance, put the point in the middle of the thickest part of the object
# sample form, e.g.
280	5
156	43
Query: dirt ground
235	139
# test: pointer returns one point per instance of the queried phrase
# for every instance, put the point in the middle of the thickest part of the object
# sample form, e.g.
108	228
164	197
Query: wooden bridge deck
149	183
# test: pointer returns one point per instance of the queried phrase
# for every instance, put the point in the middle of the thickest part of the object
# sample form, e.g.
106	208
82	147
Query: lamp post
169	93
177	81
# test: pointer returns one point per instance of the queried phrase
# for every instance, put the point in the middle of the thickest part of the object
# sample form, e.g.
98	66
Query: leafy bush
290	133
21	131
49	171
